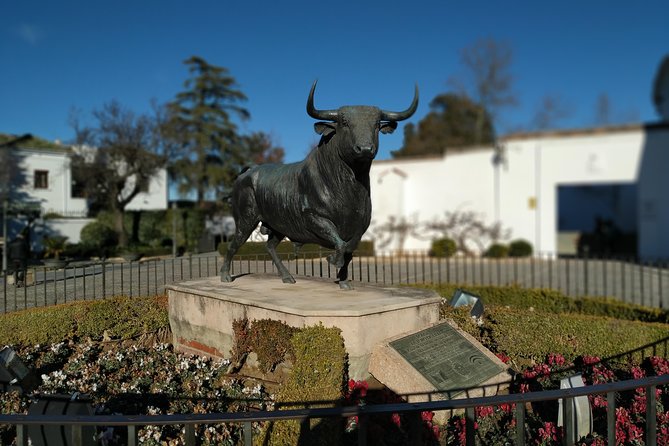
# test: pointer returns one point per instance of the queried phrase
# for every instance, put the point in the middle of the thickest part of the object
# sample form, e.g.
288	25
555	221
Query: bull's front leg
326	230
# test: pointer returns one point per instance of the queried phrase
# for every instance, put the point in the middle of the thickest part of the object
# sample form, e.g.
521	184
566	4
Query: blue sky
59	55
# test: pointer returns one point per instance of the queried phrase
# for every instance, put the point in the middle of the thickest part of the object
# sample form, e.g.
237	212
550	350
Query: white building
44	179
548	188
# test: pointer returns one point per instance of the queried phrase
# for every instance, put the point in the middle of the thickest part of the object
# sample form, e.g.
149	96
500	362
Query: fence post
585	274
21	435
651	416
611	418
190	434
568	418
470	420
104	279
520	424
248	433
132	435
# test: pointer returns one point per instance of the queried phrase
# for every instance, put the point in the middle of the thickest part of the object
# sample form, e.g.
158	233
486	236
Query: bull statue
323	199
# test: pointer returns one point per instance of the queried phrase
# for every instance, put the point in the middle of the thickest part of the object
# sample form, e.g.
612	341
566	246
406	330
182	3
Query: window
41	179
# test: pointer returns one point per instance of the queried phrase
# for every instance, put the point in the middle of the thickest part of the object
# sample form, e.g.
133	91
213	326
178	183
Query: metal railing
644	283
412	410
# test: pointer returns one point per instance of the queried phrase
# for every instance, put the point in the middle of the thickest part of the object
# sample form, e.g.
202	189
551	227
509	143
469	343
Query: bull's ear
324	128
388	127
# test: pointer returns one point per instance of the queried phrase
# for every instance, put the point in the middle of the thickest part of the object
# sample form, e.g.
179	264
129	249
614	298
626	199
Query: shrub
497	250
520	248
120	317
318	375
552	301
528	336
443	247
270	340
98	235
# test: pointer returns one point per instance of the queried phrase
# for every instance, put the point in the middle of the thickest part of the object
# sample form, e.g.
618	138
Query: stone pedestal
201	312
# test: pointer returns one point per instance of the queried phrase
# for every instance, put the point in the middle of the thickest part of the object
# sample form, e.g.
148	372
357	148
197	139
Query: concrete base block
202	311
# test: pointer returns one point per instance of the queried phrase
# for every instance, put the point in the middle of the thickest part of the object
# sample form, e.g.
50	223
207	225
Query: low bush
528	336
553	301
496	251
119	317
443	247
98	235
317	380
520	248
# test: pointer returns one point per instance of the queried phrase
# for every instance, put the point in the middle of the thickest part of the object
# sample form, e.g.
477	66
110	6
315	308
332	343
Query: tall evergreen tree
201	130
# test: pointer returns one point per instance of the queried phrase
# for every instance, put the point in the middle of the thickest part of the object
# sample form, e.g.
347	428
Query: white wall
535	165
57	198
155	198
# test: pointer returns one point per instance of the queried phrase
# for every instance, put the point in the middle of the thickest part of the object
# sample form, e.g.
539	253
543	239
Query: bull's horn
328	115
400	116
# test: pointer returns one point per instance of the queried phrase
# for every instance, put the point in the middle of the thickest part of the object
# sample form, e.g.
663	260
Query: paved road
638	283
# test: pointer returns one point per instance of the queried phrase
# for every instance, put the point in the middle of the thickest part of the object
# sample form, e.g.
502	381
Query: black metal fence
412	410
628	280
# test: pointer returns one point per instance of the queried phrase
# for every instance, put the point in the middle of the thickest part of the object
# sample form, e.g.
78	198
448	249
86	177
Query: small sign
446	359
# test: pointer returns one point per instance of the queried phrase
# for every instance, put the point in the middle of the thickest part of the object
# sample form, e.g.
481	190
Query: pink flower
556	359
484	411
427	416
396	419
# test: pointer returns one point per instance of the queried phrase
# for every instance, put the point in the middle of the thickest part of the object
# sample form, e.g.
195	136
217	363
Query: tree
115	160
551	110
452	123
467	228
201	132
603	110
487	63
260	148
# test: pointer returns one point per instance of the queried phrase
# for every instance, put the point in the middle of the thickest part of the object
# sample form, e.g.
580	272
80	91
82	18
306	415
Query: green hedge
529	336
287	248
318	376
552	301
119	317
443	247
497	251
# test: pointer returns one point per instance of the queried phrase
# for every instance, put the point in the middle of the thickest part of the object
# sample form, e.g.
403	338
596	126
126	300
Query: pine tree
201	130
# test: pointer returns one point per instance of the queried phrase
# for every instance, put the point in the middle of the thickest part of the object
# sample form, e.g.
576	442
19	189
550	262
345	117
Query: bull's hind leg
272	242
342	274
242	232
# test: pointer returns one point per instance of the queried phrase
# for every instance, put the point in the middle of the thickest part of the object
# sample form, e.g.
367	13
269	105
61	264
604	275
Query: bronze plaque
446	359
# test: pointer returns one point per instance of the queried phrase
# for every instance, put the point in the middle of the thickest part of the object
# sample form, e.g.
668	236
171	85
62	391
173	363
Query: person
18	254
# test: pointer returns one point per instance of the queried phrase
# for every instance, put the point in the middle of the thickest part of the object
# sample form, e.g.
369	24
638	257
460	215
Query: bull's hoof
345	285
288	279
226	277
336	259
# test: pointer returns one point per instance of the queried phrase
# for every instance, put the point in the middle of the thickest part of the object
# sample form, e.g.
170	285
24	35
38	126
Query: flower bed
139	381
496	425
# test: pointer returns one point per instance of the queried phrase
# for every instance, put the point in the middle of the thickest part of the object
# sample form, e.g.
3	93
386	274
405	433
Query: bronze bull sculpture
323	199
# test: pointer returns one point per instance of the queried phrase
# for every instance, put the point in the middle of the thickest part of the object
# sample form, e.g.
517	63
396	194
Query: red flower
503	357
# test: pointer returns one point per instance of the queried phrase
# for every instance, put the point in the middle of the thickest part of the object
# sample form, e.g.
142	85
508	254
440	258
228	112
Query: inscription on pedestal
446	359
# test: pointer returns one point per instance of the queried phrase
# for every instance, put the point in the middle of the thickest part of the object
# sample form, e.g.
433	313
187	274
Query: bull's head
357	126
